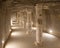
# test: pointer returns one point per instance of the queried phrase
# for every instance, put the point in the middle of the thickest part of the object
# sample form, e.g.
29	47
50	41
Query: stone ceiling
30	1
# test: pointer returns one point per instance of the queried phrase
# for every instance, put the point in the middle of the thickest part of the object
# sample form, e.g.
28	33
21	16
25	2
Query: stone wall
0	27
5	23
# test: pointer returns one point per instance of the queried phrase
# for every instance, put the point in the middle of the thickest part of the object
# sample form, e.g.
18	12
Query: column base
38	45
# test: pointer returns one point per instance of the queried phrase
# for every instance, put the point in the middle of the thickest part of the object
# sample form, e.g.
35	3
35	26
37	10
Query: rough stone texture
0	28
5	22
5	17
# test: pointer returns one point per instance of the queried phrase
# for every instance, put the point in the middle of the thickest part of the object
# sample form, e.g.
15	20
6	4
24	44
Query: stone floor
21	39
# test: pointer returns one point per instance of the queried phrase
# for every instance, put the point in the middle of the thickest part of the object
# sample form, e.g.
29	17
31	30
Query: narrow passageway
30	24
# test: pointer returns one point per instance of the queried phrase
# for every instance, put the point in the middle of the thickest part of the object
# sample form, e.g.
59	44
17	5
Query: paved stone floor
21	39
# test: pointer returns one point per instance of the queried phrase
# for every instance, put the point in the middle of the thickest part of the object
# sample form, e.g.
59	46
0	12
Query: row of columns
39	19
38	9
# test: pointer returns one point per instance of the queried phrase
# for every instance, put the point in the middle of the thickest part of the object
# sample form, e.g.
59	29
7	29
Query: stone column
39	31
28	24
